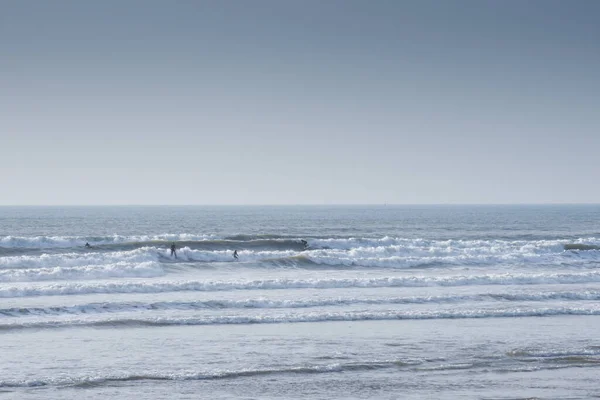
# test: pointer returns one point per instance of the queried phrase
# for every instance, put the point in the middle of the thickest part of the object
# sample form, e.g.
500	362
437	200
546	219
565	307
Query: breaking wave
78	241
120	242
210	241
349	253
72	259
116	270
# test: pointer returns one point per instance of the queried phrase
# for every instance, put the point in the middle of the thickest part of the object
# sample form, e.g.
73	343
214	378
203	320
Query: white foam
353	252
377	257
68	288
430	244
144	254
260	303
187	254
412	252
150	375
317	316
79	241
397	256
115	270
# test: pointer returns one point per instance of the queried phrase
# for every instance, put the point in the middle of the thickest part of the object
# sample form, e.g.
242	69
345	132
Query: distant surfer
305	243
87	245
173	252
235	254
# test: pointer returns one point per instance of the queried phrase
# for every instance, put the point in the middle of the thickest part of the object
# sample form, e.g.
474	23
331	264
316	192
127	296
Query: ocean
382	302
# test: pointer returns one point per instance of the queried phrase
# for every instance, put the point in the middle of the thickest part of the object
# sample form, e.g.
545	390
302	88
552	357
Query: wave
120	242
94	380
339	243
88	380
230	245
545	353
476	250
74	288
263	303
386	252
566	359
116	270
73	259
41	242
139	255
191	255
357	258
117	322
249	238
581	246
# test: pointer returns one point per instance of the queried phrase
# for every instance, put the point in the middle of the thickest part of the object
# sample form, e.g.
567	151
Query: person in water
173	252
87	245
235	254
305	243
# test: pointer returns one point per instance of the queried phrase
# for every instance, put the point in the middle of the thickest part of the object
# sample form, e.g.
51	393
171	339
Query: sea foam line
118	322
264	303
72	288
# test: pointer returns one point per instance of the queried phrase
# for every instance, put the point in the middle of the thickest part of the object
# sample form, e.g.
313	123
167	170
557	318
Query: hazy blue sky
290	102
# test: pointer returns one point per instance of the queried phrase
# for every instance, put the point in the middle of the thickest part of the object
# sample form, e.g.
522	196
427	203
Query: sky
299	102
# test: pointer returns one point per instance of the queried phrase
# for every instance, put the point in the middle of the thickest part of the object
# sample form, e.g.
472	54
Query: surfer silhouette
87	245
305	243
235	255
173	252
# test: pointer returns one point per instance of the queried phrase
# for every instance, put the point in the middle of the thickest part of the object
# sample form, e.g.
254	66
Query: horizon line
300	204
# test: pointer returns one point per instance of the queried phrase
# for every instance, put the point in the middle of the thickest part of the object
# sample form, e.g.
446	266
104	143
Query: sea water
490	302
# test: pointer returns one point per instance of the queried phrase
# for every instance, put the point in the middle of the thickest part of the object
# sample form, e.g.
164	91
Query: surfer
235	254
87	245
173	252
305	243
